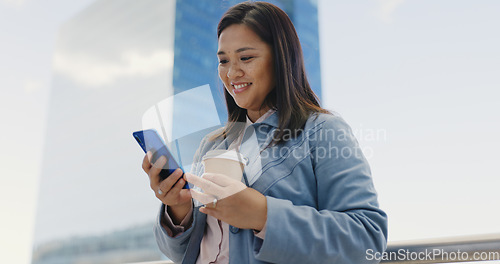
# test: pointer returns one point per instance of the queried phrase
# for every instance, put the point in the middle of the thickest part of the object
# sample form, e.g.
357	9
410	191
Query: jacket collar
272	120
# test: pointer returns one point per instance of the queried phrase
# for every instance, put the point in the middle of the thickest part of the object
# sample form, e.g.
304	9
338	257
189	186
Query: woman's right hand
168	191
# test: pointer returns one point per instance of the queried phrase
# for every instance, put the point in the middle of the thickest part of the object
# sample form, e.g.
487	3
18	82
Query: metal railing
154	262
445	250
485	248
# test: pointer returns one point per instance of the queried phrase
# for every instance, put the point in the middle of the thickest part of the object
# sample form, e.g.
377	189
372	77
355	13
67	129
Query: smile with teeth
240	87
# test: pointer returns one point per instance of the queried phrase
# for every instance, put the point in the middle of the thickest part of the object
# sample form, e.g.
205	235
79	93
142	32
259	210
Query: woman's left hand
237	204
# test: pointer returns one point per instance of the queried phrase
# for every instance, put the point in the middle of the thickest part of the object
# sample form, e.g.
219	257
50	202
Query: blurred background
417	81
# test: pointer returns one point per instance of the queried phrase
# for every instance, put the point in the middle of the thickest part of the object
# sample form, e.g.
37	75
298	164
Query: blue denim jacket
321	203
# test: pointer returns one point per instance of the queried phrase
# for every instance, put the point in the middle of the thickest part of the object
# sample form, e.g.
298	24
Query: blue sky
423	74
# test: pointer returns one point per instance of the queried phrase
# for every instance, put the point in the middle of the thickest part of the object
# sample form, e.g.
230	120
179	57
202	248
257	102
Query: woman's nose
234	71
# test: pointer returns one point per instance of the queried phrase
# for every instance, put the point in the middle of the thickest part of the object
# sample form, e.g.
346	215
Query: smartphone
149	140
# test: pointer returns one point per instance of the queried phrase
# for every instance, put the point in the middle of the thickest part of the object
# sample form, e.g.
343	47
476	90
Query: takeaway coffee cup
227	162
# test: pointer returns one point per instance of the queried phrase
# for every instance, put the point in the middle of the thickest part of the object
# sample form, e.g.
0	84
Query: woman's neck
255	115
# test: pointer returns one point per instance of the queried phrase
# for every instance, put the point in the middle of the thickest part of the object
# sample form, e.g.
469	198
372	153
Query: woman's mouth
240	87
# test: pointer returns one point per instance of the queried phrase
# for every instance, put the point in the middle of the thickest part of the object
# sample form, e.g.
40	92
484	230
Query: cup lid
225	154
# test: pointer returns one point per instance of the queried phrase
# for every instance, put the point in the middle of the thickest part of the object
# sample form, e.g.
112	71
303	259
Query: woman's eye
246	58
222	61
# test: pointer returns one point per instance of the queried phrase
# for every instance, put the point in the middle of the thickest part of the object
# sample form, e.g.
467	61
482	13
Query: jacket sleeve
175	247
347	221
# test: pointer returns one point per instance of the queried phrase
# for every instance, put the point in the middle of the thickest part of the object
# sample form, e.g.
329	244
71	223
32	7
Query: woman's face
246	68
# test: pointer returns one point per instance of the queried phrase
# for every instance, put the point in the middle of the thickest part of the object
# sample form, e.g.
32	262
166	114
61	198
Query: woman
310	199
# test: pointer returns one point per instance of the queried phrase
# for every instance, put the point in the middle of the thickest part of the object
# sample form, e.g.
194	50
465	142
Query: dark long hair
292	96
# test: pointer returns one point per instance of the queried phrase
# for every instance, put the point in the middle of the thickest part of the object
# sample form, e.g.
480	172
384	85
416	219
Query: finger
217	178
179	185
146	165
175	190
226	183
154	172
158	165
160	160
202	197
206	185
167	184
210	211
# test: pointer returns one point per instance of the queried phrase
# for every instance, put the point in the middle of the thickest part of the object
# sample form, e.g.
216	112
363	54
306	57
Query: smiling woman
298	200
245	64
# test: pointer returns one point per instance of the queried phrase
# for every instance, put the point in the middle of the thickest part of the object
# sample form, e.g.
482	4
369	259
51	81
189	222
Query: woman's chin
242	105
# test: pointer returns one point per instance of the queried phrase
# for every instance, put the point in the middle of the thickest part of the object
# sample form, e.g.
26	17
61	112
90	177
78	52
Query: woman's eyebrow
237	51
243	49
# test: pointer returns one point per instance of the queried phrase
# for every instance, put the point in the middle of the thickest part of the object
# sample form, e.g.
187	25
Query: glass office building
112	62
